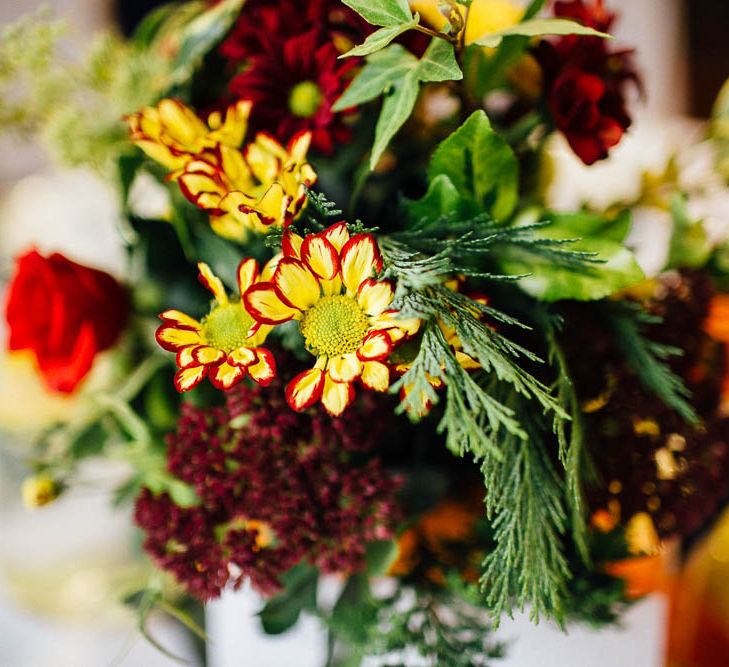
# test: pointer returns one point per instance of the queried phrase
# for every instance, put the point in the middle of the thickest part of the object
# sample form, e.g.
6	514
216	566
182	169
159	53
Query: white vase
236	639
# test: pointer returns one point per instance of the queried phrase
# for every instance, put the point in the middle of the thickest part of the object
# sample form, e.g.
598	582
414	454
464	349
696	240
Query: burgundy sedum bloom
585	82
275	488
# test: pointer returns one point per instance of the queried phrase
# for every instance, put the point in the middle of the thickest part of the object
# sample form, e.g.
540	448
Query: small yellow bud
39	490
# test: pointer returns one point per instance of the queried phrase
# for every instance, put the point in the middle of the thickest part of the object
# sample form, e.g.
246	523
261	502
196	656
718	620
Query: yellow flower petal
264	371
377	346
291	244
360	260
336	396
180	320
344	368
172	339
262	302
189	378
185	357
320	256
247	274
226	376
180	122
243	356
375	296
337	235
207	355
295	284
305	389
213	283
375	375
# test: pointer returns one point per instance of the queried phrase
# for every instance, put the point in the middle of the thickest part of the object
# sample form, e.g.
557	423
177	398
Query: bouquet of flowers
383	354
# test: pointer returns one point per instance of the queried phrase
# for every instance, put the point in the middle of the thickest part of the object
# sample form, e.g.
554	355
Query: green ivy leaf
283	610
437	64
382	70
536	27
381	38
396	109
201	35
480	164
386	13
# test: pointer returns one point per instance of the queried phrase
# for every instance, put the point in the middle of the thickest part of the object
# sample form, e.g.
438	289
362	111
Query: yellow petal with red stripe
375	296
376	346
375	375
243	356
336	396
360	260
337	235
247	274
305	389
213	283
207	355
172	339
264	305
225	376
298	146
185	357
344	368
321	256
189	378
180	320
291	244
295	284
264	370
181	122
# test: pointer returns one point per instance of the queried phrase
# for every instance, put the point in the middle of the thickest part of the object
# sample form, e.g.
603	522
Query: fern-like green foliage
648	358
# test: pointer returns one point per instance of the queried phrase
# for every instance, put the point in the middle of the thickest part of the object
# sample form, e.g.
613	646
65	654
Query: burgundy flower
65	313
585	82
275	488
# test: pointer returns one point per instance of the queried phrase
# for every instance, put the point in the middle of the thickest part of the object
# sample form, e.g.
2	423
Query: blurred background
62	569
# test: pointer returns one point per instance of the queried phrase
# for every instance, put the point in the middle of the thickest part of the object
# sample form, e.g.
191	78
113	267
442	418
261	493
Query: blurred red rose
585	82
65	313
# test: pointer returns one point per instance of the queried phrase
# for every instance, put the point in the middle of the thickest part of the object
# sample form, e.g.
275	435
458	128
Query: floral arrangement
382	354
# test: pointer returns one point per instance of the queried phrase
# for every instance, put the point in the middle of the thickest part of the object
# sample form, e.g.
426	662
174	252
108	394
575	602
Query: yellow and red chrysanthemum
263	186
221	345
172	134
327	282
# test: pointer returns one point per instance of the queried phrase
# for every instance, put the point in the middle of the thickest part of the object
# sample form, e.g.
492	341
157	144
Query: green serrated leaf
396	109
536	27
201	35
382	70
386	13
442	198
480	164
381	38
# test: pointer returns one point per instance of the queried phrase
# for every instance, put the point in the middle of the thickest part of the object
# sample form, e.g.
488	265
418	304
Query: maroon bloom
275	488
585	82
65	313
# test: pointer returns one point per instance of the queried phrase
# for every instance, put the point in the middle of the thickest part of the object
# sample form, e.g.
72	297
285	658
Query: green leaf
536	27
380	557
396	109
593	225
283	610
480	164
553	282
386	13
439	63
201	35
382	70
442	198
690	246
381	38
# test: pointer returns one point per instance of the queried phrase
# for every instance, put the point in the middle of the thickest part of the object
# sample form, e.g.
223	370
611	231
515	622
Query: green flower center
305	99
335	325
226	327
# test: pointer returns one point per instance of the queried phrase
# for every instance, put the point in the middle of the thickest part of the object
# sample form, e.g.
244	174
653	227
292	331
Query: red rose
585	82
591	117
65	313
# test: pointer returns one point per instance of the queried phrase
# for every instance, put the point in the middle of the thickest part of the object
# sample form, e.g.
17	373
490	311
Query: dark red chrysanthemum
585	82
286	59
275	488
